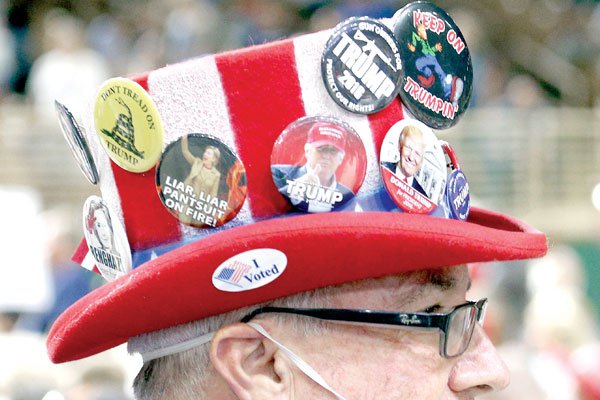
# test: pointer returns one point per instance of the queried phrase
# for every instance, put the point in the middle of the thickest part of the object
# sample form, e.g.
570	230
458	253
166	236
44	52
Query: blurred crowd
526	54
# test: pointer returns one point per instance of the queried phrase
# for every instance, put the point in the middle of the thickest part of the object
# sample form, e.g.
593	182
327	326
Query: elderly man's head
241	363
411	147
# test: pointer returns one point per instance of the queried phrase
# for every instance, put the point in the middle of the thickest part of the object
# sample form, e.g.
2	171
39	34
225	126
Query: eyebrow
436	279
444	281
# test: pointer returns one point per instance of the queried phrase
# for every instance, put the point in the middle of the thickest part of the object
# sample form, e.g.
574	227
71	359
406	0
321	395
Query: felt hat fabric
245	99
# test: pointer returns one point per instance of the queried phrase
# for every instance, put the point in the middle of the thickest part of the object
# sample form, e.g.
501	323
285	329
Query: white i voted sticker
249	270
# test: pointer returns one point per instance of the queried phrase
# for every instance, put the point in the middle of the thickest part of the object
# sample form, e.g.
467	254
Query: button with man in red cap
312	164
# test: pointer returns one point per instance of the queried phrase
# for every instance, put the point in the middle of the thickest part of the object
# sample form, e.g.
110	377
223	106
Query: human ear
250	364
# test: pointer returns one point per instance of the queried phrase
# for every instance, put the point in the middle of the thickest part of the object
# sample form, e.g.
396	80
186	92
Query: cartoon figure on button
452	86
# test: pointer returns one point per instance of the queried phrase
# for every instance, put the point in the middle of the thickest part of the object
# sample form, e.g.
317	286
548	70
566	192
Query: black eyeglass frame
439	321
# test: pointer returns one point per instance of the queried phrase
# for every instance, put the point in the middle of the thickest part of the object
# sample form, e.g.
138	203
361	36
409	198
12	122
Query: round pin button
74	136
318	164
413	167
436	81
361	65
128	124
201	181
457	195
458	199
106	239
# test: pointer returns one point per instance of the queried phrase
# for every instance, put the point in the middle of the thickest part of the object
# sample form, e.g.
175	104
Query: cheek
367	368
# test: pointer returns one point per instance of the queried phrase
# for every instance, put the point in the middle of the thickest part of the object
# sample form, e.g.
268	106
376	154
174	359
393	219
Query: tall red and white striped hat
246	98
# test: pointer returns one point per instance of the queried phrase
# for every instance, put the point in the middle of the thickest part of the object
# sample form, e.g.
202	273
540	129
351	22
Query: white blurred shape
596	196
25	280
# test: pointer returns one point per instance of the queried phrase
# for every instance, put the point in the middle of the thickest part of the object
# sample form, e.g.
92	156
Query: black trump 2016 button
361	65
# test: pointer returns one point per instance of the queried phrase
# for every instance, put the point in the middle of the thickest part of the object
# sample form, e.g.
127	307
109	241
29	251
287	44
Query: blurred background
530	145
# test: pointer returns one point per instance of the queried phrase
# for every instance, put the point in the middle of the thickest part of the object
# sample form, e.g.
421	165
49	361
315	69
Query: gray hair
184	375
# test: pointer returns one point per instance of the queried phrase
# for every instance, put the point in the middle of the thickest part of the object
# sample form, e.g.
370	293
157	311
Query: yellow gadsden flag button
128	124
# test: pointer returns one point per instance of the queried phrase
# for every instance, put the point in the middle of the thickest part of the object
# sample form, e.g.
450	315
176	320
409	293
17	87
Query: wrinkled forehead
403	290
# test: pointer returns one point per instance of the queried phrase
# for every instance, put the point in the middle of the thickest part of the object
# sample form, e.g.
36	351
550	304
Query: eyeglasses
456	326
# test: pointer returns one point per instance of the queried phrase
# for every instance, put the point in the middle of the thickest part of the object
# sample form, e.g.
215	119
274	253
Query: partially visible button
201	181
318	164
73	134
457	195
128	124
106	239
458	198
437	78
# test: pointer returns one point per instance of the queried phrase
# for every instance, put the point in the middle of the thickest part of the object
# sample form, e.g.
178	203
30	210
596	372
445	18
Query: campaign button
437	78
73	134
201	181
318	164
106	239
361	65
413	167
457	187
128	124
457	195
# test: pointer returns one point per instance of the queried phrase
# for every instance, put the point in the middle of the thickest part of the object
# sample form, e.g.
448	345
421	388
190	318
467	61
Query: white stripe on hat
190	99
317	101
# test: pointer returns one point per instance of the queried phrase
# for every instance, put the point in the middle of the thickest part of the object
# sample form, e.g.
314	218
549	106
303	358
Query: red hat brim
321	249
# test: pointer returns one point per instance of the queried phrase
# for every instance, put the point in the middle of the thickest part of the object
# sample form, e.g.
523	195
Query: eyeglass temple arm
359	316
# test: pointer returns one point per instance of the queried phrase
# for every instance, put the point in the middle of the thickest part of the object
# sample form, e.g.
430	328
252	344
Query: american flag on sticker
233	273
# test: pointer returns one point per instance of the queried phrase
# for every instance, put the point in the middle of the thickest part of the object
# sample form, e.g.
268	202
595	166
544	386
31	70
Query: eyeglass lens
460	329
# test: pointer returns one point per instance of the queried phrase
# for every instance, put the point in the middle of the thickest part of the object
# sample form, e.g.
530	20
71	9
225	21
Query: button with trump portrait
73	134
437	77
361	65
106	239
128	124
318	164
201	181
413	167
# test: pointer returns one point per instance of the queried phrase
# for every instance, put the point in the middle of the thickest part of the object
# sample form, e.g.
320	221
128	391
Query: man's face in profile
411	155
324	160
362	361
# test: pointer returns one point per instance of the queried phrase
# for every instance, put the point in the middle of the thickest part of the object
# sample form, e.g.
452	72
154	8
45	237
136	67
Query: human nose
480	369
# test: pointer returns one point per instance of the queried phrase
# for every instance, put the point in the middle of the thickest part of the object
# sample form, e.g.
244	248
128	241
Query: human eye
433	309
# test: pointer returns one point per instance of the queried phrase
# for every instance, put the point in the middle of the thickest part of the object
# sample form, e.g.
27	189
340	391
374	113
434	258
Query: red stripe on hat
264	96
80	253
147	221
141	79
382	121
